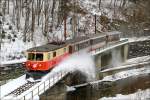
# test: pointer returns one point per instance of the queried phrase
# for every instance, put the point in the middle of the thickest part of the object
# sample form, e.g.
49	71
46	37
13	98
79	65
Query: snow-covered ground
22	60
137	60
12	85
139	95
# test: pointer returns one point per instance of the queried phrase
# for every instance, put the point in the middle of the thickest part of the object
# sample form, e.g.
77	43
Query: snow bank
128	73
139	95
130	63
14	61
12	85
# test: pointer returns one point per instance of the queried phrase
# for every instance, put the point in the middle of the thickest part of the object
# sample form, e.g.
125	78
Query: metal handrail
108	45
55	77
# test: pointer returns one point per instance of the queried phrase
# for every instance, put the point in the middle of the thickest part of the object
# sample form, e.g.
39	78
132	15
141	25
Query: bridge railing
109	45
42	87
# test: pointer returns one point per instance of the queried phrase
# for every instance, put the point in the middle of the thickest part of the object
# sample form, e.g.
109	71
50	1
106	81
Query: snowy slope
14	47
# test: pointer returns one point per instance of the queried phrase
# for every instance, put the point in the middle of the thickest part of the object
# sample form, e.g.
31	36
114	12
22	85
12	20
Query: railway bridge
23	90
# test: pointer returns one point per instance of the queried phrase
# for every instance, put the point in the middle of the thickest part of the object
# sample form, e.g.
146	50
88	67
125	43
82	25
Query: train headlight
40	65
35	65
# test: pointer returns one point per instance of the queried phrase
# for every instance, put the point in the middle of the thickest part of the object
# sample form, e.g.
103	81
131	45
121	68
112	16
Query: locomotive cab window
35	56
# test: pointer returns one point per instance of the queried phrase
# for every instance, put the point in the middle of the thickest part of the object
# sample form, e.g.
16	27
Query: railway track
22	88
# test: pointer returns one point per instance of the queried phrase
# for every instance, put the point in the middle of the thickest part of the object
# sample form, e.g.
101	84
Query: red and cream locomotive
43	58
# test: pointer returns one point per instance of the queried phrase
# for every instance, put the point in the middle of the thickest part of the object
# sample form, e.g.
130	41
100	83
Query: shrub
9	36
13	40
10	27
3	35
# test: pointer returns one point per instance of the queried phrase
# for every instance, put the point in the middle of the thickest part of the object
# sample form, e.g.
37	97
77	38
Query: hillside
29	23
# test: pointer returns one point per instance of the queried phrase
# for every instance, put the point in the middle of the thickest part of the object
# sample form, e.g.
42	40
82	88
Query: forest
38	22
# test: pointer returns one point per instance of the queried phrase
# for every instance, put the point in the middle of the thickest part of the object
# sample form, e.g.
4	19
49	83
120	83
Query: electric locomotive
41	59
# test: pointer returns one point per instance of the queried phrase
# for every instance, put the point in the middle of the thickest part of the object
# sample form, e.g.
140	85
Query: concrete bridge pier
111	58
124	50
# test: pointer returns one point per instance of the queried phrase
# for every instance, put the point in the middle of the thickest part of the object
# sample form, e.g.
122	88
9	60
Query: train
42	59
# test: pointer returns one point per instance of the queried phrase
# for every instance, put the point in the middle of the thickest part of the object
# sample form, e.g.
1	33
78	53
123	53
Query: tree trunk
100	4
17	15
33	21
26	28
52	15
8	7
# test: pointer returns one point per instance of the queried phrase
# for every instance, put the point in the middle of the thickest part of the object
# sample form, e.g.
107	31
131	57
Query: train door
70	49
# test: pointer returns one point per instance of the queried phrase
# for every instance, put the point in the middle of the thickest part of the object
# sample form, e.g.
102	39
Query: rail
42	87
108	45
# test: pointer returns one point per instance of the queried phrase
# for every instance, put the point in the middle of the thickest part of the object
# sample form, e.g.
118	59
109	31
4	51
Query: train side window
76	47
54	54
49	56
64	50
70	49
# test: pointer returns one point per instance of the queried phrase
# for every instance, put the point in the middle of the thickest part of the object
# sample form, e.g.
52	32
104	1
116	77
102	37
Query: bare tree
26	27
8	6
123	3
33	20
4	7
115	2
52	15
99	4
0	29
17	7
46	9
39	9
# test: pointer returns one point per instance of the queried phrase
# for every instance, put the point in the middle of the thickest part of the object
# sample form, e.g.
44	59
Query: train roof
53	46
46	48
